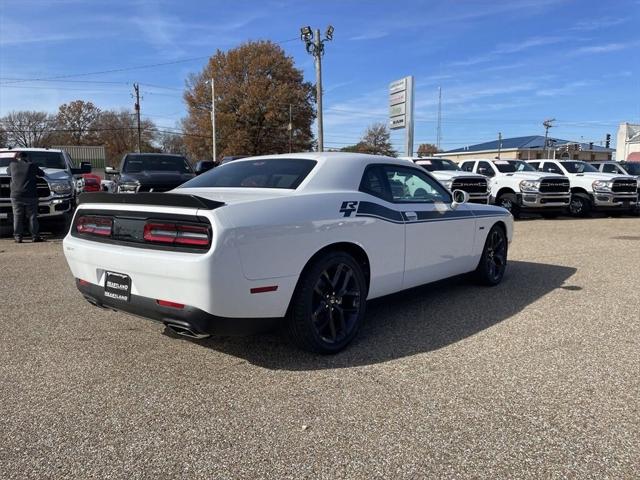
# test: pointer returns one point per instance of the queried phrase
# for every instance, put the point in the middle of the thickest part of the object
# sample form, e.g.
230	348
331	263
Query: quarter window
373	182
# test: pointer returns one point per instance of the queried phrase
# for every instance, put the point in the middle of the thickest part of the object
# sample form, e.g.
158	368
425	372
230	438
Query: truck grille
624	186
554	185
470	185
5	188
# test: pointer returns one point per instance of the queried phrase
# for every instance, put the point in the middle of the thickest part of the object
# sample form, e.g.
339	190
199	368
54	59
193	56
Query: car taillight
91	225
177	234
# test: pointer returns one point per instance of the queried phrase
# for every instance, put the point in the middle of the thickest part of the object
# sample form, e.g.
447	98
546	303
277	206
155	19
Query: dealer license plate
117	286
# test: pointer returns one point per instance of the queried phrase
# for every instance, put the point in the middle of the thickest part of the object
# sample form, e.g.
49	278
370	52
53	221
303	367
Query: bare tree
28	128
117	131
172	143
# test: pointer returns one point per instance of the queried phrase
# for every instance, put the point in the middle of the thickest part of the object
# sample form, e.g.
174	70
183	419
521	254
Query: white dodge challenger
301	238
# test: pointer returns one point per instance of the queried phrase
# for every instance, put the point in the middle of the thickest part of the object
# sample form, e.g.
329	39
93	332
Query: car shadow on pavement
415	321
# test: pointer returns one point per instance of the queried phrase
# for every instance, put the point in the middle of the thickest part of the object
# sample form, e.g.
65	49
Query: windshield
505	166
578	167
632	168
431	165
271	173
521	166
42	159
156	163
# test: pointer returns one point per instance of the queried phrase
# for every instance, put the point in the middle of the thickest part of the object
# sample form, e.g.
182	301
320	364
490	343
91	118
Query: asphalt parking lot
538	377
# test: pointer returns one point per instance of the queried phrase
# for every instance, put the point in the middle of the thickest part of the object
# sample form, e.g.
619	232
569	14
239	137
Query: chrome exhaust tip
186	331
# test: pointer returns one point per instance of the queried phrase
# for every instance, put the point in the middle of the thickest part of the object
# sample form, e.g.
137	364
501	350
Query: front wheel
328	305
493	261
509	201
580	205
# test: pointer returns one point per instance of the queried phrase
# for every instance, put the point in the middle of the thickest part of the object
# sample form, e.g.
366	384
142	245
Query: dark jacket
24	179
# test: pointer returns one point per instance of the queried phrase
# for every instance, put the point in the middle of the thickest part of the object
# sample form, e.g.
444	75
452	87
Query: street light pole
315	46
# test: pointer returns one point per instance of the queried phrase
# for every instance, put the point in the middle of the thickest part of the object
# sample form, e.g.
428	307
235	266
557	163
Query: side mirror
85	167
110	171
203	166
459	197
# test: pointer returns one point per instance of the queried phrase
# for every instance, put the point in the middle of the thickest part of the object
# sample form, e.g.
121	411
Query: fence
93	154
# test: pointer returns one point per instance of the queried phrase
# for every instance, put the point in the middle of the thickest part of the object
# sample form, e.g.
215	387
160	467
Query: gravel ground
538	377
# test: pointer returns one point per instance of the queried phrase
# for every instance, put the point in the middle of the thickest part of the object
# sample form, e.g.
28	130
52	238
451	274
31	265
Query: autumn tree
117	131
427	149
4	139
256	86
28	128
375	141
75	123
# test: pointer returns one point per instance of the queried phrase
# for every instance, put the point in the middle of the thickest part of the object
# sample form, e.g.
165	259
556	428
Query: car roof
20	149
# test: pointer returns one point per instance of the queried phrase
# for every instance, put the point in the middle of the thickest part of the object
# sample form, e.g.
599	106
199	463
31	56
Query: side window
373	182
535	165
467	166
485	169
409	185
609	168
551	168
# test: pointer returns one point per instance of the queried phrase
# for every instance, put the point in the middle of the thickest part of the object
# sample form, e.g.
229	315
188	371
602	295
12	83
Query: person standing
24	195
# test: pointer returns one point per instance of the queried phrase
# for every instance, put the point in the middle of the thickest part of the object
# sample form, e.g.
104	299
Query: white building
628	142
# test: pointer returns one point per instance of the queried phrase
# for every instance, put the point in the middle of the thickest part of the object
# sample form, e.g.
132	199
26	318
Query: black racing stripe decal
373	209
446	215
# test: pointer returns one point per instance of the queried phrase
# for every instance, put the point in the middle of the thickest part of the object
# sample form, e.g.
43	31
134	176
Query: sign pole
408	144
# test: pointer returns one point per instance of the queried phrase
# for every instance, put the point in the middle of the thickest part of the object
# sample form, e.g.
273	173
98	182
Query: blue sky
504	66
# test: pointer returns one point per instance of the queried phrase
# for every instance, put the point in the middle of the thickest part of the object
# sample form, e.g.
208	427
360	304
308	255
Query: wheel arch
579	190
504	190
353	249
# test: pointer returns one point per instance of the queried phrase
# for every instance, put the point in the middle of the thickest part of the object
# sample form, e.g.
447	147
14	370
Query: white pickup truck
592	189
518	187
451	176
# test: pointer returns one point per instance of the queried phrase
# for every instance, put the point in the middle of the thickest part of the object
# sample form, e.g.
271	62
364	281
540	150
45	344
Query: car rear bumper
187	317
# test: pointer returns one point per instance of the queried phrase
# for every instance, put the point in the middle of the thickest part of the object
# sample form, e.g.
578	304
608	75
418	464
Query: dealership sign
401	109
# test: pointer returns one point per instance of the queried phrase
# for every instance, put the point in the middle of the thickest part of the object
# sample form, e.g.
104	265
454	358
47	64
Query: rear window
156	163
287	173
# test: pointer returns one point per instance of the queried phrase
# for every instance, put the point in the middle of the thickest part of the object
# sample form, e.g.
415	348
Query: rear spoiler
151	198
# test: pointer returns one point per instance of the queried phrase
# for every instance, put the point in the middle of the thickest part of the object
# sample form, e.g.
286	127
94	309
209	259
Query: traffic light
607	141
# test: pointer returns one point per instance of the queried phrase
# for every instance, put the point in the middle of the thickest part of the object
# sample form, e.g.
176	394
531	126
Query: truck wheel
580	205
328	305
493	261
509	201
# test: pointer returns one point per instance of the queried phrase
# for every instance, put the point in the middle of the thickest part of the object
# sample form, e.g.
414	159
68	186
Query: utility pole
213	119
439	130
547	124
315	47
136	89
499	144
290	128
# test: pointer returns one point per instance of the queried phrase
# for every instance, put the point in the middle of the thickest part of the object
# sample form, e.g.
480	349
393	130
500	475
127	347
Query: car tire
509	201
493	262
328	305
580	205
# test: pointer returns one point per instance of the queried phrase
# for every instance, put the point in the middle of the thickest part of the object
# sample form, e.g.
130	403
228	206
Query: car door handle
411	216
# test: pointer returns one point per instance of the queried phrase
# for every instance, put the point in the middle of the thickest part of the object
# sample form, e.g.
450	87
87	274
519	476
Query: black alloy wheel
329	303
509	202
493	262
580	205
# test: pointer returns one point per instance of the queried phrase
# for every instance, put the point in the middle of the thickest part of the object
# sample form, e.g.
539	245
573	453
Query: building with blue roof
530	148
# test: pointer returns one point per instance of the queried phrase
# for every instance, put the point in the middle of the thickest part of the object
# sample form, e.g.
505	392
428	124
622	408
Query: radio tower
439	131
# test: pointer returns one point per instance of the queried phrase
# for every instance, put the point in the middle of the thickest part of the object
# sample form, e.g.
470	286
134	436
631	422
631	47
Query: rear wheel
509	201
493	262
580	205
328	305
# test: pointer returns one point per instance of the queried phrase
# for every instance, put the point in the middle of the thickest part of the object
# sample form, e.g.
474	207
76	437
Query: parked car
91	182
308	237
448	173
57	191
150	172
204	166
518	187
591	189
